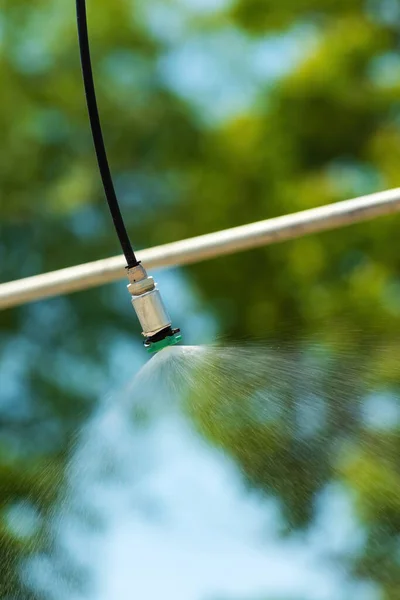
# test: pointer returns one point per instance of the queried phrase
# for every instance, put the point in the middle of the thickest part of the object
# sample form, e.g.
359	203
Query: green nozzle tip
169	340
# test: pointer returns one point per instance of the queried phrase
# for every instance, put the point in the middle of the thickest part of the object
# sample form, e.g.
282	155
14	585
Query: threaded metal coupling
147	302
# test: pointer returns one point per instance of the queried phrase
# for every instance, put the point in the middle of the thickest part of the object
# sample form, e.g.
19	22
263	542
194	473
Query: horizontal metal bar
202	247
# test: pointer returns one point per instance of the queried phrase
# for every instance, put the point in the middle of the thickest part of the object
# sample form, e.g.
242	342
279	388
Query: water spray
146	297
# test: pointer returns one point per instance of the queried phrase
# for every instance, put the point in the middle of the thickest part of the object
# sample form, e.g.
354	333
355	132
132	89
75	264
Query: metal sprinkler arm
204	247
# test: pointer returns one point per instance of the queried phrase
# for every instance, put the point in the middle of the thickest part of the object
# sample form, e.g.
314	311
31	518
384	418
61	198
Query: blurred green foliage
325	131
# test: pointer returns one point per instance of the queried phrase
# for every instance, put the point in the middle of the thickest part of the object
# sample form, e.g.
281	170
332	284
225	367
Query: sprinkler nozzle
151	311
166	337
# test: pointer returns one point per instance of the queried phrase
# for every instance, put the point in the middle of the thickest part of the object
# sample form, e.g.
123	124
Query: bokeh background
215	114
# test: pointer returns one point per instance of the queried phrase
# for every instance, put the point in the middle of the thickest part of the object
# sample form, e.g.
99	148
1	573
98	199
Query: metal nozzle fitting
139	281
150	310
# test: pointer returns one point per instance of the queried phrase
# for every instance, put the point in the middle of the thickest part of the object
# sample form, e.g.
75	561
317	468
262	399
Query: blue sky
179	524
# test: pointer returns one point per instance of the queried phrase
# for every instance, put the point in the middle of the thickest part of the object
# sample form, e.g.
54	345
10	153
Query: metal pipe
203	247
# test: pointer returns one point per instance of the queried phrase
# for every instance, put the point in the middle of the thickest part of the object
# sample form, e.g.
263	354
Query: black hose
98	136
